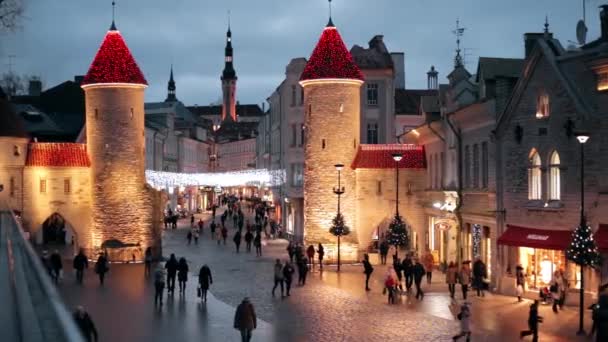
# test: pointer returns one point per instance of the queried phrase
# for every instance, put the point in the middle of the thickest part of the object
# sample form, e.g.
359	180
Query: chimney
432	79
78	79
35	87
399	68
530	41
604	21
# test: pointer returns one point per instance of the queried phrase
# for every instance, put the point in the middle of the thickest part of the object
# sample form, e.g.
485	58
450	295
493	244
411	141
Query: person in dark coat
224	234
480	273
101	267
204	280
408	272
383	251
419	273
278	277
182	274
80	263
257	243
397	267
212	227
310	253
56	265
533	320
171	267
320	255
148	260
291	251
237	240
368	269
46	262
302	271
245	320
159	285
288	277
85	325
248	240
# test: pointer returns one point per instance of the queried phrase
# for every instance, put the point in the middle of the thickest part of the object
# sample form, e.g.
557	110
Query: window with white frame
554	177
297	172
534	177
372	133
542	105
372	94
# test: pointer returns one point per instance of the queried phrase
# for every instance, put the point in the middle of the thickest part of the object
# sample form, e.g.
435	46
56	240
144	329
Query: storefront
601	239
540	252
477	244
441	239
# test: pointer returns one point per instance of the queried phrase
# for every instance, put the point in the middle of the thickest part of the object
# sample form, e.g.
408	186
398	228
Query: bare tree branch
11	11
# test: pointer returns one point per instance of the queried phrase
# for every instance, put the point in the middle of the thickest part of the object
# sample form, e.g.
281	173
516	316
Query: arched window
554	177
534	177
542	105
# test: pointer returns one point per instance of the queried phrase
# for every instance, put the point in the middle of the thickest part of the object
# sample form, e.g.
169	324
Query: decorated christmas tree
397	233
338	227
583	250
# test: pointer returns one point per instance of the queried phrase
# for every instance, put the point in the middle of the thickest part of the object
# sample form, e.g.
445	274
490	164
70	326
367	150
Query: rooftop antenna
330	23
113	27
228	20
458	32
581	27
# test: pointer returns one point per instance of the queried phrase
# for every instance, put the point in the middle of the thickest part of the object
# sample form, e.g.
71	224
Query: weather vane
458	32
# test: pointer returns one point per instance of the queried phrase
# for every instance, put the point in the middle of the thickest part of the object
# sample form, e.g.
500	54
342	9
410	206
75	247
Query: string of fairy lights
257	177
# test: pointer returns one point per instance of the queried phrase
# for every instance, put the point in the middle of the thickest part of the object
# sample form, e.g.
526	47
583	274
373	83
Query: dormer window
542	106
602	81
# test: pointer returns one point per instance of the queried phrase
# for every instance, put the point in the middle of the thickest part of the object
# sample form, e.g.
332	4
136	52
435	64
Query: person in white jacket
465	322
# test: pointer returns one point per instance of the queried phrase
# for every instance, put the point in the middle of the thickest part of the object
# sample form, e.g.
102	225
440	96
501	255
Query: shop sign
537	237
218	189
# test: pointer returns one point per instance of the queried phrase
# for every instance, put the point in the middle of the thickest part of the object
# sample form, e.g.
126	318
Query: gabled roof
114	63
380	156
10	123
375	57
491	68
407	101
331	59
57	155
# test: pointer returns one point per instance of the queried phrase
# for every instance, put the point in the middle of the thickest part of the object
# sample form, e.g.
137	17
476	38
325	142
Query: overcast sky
59	38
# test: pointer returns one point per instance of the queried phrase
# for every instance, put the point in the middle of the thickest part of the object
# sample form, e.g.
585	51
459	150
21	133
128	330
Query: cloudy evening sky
59	38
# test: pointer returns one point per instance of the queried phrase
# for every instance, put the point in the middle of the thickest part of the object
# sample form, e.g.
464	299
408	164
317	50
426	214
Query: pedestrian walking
428	262
288	277
56	266
245	320
278	276
204	281
465	322
148	260
520	282
291	251
480	273
563	287
85	324
224	234
101	267
257	243
302	271
189	237
159	285
171	267
201	225
390	285
419	273
320	255
408	272
397	268
555	290
368	269
451	276
248	240
237	240
465	278
182	274
212	227
80	263
600	319
195	235
310	253
533	320
46	262
192	221
384	247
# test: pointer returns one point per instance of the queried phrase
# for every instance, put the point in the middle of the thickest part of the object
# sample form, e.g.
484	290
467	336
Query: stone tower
332	100
122	204
171	88
228	82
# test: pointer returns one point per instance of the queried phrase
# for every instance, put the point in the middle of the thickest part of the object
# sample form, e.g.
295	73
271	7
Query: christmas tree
583	250
338	227
397	233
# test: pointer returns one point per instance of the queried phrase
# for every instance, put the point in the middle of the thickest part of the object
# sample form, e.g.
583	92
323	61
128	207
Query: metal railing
31	310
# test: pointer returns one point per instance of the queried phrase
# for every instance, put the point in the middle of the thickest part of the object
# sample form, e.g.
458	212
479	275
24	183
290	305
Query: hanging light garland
258	177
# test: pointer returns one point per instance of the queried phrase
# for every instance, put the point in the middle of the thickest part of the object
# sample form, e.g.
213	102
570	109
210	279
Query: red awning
601	237
535	238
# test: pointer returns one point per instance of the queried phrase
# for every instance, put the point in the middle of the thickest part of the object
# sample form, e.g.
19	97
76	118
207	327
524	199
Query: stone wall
121	206
13	152
332	137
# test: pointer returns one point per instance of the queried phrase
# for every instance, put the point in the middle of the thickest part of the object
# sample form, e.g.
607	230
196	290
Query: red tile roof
380	157
331	59
114	63
58	155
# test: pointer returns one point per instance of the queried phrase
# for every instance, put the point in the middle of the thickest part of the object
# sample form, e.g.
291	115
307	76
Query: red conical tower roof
114	63
331	59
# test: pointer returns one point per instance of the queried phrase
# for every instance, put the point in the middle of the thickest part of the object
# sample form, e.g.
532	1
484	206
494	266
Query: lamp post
397	158
582	139
339	191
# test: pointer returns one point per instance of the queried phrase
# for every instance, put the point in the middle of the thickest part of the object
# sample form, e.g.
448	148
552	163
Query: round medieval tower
121	203
332	100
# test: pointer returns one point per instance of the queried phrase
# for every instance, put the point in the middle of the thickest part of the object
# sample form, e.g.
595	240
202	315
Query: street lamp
339	191
397	158
582	139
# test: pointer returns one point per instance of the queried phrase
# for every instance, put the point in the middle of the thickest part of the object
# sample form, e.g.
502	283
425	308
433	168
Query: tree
339	229
13	84
10	13
583	250
397	234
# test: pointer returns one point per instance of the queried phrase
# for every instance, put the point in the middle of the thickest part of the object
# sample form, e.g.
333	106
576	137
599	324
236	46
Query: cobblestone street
331	307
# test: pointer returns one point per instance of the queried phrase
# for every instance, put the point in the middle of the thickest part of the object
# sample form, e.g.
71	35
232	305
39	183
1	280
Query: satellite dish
581	32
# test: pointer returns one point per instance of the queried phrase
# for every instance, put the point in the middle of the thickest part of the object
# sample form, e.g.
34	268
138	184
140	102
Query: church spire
171	88
229	81
113	26
229	72
330	23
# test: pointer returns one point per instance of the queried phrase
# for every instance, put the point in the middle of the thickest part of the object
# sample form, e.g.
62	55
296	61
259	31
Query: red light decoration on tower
114	63
331	59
